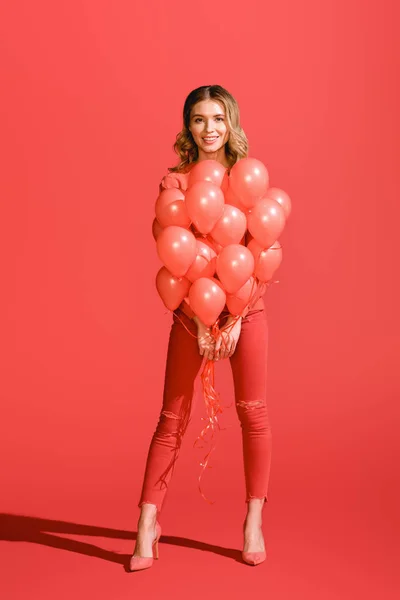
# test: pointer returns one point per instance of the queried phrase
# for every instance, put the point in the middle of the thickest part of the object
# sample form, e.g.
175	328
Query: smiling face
209	128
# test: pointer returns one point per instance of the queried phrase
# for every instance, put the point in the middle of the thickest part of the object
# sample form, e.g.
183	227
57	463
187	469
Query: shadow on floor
19	528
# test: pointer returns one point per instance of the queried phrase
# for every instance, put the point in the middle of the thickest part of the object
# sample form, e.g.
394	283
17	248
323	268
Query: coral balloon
205	205
171	208
176	247
249	180
207	170
156	229
235	265
172	289
167	196
174	214
207	299
231	227
266	221
267	260
204	264
283	198
237	302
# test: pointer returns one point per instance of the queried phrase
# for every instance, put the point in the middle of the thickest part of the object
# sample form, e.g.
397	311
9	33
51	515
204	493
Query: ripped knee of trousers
250	404
171	415
253	415
171	425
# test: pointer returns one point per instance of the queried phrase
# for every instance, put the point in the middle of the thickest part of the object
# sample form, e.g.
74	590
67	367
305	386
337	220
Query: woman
211	130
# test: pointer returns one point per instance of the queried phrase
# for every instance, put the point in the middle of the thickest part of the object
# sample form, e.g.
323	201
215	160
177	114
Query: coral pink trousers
249	369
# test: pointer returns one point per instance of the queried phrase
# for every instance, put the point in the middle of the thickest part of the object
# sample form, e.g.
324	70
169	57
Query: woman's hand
205	339
227	340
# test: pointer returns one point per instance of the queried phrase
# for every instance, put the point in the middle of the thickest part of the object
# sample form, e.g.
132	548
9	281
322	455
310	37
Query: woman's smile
210	139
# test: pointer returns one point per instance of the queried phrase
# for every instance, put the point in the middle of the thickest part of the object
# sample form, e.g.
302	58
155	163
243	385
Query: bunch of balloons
201	236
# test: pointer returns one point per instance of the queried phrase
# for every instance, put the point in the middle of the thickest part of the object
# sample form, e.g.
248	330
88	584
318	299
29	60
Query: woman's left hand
226	342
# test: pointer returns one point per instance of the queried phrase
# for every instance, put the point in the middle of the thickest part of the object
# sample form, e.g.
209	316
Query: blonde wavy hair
237	145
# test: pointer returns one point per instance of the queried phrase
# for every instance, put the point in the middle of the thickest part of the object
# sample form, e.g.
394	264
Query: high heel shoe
137	563
253	558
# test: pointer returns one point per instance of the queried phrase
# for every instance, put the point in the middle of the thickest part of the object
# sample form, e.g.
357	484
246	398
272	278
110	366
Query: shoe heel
155	550
155	544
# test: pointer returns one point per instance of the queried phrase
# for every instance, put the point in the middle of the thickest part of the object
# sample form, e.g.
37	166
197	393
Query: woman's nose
209	126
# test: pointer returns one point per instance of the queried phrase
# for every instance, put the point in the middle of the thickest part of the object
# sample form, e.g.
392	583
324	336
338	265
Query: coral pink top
180	181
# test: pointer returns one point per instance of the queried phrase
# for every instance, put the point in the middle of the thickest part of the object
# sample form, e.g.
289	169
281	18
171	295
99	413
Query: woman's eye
198	120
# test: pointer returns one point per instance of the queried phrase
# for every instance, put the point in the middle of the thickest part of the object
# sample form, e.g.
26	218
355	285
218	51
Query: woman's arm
169	181
205	339
185	307
228	338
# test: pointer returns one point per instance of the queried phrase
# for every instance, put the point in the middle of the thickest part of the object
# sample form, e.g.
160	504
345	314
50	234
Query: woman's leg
249	368
183	365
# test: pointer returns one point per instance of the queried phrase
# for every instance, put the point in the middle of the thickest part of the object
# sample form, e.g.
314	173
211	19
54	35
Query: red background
91	102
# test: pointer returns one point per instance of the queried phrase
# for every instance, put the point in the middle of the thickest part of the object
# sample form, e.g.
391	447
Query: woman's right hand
205	340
